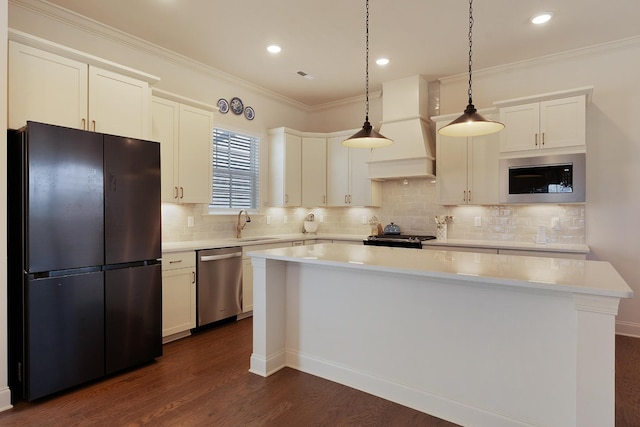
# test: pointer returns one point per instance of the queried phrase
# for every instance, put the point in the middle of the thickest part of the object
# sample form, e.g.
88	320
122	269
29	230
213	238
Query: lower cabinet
178	294
567	255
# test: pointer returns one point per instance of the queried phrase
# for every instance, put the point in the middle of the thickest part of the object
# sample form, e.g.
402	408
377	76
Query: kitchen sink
254	239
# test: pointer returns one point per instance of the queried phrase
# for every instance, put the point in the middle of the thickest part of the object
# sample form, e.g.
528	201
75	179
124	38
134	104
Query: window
235	170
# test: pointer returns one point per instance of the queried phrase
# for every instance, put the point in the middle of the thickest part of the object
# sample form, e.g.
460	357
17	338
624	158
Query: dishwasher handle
219	257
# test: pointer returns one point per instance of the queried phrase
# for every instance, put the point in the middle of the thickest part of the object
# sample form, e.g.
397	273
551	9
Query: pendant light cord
470	45
366	104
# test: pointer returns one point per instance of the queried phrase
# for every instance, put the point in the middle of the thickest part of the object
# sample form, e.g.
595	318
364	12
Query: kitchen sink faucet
239	227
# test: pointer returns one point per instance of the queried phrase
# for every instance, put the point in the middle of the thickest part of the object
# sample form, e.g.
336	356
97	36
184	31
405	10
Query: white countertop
258	240
194	245
555	274
497	244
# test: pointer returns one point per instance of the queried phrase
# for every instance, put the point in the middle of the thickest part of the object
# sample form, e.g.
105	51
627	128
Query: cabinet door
314	171
521	131
46	88
118	105
337	172
195	164
452	167
178	300
363	191
483	176
285	169
165	116
562	122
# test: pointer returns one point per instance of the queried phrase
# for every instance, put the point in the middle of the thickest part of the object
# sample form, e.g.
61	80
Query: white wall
613	143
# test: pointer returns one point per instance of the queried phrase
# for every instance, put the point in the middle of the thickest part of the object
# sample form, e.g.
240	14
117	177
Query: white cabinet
178	294
550	124
185	135
546	254
50	88
314	171
348	182
285	168
467	169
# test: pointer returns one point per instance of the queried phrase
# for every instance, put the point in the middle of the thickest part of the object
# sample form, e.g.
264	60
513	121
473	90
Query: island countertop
555	274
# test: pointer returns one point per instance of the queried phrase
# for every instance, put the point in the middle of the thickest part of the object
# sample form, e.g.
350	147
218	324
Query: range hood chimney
405	120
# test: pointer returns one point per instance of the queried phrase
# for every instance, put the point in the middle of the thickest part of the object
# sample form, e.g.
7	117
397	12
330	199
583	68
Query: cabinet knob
93	122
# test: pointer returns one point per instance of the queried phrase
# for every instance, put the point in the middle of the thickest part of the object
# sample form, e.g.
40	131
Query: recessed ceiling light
541	18
382	61
274	48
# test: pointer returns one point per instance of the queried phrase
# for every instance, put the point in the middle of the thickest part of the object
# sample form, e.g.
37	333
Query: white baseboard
630	329
5	399
439	406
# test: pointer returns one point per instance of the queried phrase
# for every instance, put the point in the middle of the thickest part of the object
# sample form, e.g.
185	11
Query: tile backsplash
409	203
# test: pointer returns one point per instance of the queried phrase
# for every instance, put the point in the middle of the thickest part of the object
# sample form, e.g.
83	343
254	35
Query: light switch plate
285	219
189	221
268	219
477	221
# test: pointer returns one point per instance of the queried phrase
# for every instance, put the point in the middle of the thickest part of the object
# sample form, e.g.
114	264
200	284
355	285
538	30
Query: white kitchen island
477	339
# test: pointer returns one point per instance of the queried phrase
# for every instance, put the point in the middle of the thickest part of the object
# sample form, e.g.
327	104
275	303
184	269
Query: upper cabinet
555	123
285	168
348	182
185	132
467	168
67	91
314	171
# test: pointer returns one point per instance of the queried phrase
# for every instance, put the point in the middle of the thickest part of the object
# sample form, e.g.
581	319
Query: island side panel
269	287
596	360
472	353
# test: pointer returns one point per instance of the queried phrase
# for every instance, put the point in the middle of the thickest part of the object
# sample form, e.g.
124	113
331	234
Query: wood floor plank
203	380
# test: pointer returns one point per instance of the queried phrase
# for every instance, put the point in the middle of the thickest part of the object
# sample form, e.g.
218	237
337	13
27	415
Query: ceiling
326	38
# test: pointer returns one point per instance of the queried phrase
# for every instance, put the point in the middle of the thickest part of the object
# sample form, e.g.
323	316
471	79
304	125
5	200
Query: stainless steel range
397	240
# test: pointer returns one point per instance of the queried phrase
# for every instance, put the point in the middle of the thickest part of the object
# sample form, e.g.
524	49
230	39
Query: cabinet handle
469	198
175	262
84	124
464	196
536	139
324	199
542	138
181	192
349	198
175	192
286	198
345	199
194	277
94	125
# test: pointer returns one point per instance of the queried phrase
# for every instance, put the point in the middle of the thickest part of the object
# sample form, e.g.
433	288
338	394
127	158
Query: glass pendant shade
470	123
367	137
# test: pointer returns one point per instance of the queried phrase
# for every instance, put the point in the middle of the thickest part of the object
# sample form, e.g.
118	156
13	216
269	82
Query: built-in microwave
543	179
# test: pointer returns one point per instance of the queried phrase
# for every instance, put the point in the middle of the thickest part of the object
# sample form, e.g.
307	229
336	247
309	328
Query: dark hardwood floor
203	380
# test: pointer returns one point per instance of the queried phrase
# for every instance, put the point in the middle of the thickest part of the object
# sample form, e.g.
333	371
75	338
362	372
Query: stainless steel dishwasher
219	285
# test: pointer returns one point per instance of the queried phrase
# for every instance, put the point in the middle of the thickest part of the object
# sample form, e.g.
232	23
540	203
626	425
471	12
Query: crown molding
95	28
598	49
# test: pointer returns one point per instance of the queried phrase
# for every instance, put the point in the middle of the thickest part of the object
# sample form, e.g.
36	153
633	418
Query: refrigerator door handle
219	257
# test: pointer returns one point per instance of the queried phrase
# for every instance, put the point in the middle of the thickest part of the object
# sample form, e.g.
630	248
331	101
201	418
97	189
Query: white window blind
235	170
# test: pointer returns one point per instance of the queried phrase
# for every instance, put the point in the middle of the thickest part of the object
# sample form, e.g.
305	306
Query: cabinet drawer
173	260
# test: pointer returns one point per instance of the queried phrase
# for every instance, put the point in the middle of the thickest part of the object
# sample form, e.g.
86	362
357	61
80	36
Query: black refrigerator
84	245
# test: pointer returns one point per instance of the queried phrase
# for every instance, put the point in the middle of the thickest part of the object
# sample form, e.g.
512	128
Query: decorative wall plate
236	105
249	113
223	106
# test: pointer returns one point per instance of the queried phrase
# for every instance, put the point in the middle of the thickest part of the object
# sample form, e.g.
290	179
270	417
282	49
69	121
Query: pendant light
367	137
470	123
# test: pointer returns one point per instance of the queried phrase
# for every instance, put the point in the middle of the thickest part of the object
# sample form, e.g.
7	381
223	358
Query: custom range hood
405	120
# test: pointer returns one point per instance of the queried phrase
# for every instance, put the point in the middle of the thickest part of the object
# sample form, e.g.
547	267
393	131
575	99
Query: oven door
394	243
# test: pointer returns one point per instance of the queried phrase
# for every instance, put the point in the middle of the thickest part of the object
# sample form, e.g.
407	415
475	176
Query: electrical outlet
321	218
555	223
285	219
268	219
189	221
477	221
364	219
